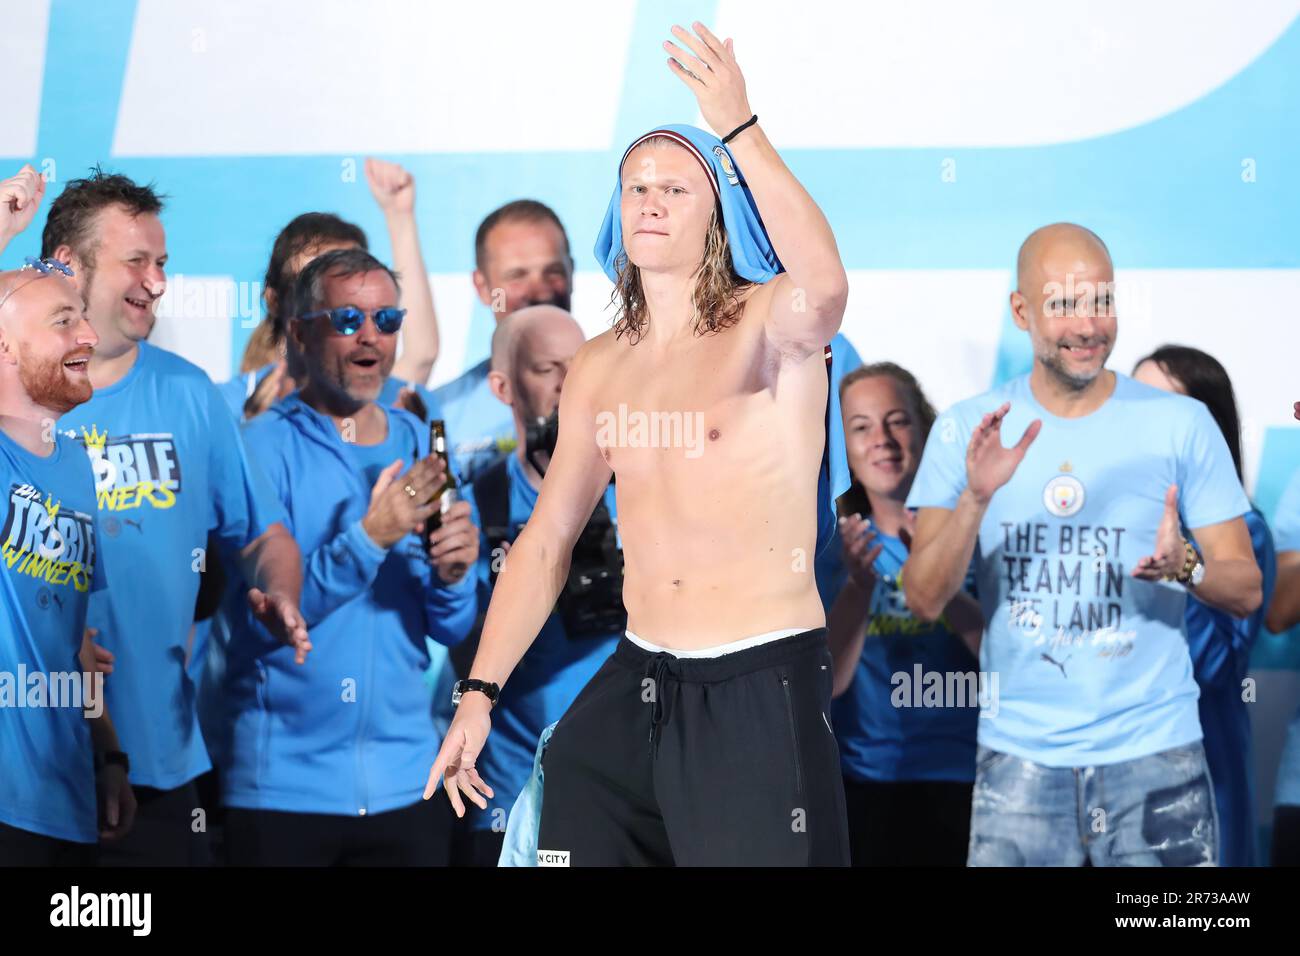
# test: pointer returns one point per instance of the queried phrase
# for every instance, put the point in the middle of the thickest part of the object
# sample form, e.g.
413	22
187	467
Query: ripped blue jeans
1152	811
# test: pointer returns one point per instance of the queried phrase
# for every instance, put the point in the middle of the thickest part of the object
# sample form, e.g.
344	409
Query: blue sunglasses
46	267
348	319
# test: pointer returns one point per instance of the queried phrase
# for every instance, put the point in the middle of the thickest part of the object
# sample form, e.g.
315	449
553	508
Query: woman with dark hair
1220	644
908	760
266	373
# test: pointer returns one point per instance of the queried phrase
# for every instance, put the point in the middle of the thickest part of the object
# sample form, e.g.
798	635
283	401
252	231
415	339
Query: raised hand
391	185
989	465
1166	562
708	67
20	195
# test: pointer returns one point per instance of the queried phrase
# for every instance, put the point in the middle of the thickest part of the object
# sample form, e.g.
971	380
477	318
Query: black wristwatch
463	687
102	760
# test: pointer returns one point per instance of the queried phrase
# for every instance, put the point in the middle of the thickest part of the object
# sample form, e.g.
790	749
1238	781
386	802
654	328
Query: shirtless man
703	739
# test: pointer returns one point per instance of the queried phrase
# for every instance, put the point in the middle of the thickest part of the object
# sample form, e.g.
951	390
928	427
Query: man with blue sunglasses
325	762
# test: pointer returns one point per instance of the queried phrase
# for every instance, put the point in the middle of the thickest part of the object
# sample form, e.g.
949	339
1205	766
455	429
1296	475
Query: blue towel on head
751	251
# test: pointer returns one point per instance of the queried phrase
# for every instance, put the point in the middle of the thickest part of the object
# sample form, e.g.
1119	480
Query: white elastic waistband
717	651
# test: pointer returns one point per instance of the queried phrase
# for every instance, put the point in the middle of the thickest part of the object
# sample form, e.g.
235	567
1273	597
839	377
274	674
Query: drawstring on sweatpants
655	669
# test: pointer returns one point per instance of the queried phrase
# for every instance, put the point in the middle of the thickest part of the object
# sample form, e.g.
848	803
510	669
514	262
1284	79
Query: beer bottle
446	494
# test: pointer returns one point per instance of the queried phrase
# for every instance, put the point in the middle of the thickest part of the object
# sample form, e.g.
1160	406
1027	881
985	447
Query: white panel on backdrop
942	325
194	321
591	305
22	65
454	299
388	76
829	74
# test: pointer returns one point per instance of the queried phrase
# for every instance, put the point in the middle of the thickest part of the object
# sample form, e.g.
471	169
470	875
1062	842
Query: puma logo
1055	663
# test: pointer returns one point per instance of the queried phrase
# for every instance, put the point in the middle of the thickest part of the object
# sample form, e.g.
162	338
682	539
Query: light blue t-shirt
479	426
169	467
1093	663
49	566
886	728
373	459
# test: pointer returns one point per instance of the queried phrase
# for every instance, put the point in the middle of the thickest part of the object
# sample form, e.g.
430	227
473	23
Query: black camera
591	603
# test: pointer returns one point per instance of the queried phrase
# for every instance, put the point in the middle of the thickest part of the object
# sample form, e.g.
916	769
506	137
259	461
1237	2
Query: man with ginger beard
58	754
169	469
1116	502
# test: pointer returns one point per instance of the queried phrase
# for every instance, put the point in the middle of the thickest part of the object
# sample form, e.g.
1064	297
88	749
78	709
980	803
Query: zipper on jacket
264	723
794	736
363	792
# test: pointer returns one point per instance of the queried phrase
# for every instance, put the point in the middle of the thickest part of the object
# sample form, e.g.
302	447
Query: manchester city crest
728	167
1064	495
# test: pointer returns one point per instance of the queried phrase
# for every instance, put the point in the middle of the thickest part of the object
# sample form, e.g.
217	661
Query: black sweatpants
25	848
908	822
414	835
168	831
723	761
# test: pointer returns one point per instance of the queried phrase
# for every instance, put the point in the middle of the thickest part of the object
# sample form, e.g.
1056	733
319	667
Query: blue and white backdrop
935	134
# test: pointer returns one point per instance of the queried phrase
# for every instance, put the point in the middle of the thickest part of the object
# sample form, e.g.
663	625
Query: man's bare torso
719	528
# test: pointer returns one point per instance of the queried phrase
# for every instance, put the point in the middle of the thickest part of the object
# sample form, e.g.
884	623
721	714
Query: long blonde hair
718	287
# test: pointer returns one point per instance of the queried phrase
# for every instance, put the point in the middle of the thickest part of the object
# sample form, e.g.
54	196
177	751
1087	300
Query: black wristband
740	129
107	757
462	687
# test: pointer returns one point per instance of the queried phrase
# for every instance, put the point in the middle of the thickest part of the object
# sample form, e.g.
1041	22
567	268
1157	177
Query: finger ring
409	490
